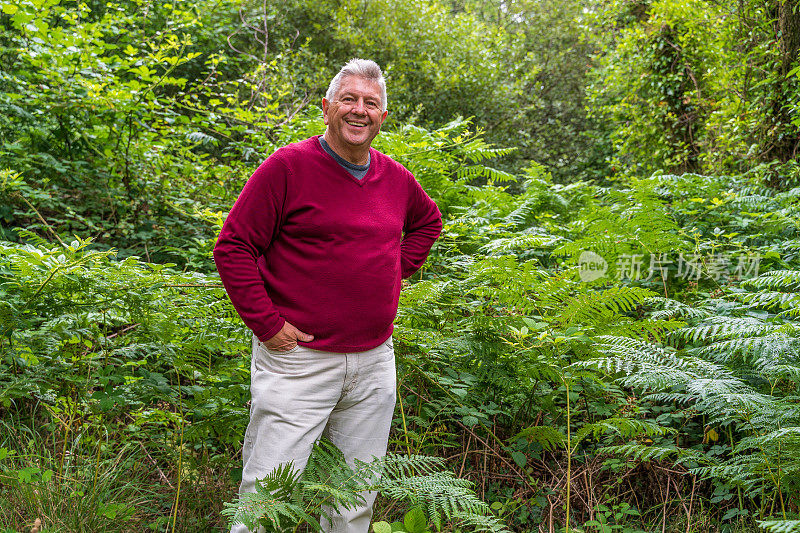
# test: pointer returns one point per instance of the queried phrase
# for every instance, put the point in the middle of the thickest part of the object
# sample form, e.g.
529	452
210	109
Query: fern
275	502
548	437
645	329
718	375
721	327
776	279
441	494
328	482
481	171
629	220
765	352
771	300
588	306
503	246
626	428
479	522
669	308
642	453
780	526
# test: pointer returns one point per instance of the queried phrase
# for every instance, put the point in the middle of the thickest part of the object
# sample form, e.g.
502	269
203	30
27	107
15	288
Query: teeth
357	124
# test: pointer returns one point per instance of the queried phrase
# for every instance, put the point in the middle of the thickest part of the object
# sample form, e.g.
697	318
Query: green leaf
26	475
21	18
731	513
382	527
534	324
415	521
469	421
520	458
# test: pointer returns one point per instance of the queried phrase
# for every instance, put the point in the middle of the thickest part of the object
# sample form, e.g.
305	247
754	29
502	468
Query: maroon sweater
309	243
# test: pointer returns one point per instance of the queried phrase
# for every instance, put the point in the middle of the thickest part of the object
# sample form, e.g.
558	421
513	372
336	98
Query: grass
110	484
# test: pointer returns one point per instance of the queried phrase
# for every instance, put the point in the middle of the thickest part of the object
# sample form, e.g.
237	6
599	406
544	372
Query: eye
372	104
348	99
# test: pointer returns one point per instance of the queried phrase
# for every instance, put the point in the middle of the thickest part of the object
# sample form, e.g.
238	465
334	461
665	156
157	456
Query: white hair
363	68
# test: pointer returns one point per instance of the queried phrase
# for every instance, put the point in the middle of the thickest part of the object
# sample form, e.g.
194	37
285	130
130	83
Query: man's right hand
286	339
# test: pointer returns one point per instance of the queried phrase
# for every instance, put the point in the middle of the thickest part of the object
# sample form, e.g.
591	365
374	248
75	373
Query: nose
359	107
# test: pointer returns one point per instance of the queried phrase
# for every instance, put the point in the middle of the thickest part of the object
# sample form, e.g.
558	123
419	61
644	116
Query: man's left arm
422	226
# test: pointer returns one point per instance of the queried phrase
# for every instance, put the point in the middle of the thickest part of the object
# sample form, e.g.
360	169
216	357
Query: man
312	256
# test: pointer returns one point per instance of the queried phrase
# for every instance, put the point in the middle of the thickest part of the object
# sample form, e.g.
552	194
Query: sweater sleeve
422	226
252	224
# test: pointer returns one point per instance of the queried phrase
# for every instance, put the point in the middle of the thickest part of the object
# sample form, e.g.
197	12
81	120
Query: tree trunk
783	139
788	26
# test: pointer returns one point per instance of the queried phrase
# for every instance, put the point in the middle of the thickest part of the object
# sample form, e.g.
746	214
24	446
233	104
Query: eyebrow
353	95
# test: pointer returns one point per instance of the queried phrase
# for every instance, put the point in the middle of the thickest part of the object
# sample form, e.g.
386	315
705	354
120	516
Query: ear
325	106
383	117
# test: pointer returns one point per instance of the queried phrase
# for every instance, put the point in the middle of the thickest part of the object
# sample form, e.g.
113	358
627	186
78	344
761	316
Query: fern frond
603	244
724	327
754	202
481	171
533	202
253	509
477	151
755	190
792	313
479	522
771	299
554	292
669	308
788	280
327	467
780	526
626	428
657	330
549	437
642	453
401	466
505	245
422	293
652	367
274	501
342	496
442	494
199	137
735	472
787	439
763	352
328	482
586	307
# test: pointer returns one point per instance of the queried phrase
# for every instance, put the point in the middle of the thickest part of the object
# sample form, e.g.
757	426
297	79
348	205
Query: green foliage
780	526
107	365
114	107
613	519
95	487
133	125
286	498
738	369
688	85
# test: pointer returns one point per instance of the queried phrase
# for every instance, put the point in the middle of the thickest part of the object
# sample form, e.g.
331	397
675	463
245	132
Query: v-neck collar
343	171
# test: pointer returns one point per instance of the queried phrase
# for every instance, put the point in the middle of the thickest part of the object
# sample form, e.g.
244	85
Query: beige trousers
301	395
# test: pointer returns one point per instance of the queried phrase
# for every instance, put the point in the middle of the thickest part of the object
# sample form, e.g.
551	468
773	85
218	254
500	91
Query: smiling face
354	117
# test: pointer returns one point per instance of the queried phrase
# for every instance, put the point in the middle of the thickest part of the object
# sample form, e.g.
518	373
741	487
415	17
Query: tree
784	139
